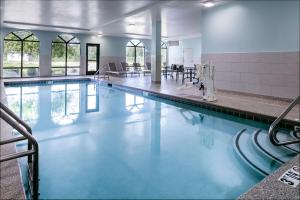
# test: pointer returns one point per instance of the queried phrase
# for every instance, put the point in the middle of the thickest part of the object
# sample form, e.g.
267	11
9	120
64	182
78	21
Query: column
156	50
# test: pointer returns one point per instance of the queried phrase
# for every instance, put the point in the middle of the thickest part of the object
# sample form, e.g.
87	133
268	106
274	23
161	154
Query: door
188	57
92	58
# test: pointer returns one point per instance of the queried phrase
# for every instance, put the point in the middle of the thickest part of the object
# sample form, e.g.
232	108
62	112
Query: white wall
254	46
176	53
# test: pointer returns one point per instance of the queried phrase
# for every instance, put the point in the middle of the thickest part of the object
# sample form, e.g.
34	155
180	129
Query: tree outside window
135	52
65	55
21	54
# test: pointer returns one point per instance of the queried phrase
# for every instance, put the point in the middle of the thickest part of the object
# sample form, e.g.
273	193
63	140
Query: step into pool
103	143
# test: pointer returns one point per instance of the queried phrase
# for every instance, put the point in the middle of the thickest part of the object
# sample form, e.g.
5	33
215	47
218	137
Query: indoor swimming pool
101	142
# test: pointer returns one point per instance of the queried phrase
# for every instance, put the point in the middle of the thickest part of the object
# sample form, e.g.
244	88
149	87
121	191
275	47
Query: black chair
147	68
188	73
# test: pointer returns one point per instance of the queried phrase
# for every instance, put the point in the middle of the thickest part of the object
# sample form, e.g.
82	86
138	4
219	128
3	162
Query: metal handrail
98	72
33	148
272	131
15	117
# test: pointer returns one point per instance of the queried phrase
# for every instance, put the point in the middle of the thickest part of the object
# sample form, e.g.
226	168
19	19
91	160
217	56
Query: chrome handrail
33	148
272	131
98	72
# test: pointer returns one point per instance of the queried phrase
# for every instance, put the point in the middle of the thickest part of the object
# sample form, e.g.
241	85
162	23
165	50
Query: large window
163	54
65	55
21	55
135	52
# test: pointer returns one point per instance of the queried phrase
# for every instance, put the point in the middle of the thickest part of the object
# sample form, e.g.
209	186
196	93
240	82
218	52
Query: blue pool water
100	142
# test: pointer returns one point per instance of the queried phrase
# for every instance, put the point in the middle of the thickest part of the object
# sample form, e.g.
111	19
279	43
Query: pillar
156	50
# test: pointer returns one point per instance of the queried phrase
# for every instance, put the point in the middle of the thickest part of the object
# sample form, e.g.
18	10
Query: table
190	71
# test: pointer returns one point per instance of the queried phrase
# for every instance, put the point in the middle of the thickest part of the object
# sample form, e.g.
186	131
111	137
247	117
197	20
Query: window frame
136	46
164	46
21	51
66	43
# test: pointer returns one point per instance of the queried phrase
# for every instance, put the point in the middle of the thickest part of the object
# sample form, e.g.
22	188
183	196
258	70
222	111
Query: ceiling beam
45	25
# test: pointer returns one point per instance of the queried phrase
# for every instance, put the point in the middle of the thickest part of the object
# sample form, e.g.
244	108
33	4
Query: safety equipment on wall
206	75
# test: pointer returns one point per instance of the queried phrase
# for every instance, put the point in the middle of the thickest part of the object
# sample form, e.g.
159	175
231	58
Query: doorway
92	58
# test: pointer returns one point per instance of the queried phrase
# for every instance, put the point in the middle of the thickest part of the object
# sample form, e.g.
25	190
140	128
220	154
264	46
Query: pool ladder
273	131
32	151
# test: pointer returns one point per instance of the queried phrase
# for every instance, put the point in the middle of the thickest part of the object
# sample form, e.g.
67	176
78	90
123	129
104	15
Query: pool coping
258	190
267	119
271	188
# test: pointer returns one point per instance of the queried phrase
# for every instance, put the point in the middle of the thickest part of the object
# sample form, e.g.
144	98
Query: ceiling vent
173	43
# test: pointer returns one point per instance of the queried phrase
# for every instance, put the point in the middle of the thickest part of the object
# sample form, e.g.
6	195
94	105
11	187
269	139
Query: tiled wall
273	74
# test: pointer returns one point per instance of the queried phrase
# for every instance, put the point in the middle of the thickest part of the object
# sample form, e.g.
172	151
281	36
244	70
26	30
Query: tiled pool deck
10	180
270	107
251	103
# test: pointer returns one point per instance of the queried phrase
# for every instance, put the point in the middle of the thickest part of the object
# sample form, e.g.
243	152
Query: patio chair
147	68
125	68
114	71
137	68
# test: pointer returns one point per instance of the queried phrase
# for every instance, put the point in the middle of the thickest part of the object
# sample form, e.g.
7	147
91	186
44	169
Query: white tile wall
268	73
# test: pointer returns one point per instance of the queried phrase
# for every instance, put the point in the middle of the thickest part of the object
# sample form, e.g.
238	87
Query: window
65	100
135	52
163	54
65	55
21	55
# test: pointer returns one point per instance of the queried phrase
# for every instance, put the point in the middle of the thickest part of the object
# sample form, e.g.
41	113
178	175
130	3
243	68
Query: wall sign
291	177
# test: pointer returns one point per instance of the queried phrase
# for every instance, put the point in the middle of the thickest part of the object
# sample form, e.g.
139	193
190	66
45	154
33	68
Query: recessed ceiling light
208	4
99	35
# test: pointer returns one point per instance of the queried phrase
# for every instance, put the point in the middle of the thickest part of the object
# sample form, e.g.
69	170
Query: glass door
92	58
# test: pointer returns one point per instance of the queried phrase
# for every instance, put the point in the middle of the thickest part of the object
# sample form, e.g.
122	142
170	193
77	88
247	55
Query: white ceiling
180	19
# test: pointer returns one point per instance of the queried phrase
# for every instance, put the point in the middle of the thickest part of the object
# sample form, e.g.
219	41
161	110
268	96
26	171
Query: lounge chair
147	68
137	68
114	71
125	68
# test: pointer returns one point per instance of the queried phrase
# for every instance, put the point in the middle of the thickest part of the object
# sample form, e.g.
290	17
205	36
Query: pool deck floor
241	101
11	185
10	179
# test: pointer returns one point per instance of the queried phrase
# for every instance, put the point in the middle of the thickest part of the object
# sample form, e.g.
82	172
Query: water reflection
59	103
65	103
156	129
134	103
92	98
23	101
196	119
